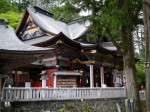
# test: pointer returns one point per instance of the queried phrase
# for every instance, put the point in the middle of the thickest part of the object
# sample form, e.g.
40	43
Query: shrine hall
55	55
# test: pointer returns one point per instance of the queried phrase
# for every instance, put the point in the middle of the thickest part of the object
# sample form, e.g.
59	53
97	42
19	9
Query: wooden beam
83	62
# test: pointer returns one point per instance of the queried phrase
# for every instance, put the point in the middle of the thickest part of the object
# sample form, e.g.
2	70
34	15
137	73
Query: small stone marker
130	105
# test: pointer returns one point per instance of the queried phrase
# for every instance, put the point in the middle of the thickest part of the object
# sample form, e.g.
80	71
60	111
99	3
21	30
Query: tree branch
113	40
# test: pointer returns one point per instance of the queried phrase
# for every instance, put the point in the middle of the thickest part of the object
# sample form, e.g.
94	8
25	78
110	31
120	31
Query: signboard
142	95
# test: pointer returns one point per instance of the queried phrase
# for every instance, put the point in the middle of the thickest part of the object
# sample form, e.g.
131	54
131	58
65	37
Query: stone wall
103	105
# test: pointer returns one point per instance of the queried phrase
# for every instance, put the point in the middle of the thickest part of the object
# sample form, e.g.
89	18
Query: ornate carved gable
31	30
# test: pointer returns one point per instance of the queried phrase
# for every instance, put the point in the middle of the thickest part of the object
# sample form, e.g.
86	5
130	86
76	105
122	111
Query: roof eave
24	52
60	36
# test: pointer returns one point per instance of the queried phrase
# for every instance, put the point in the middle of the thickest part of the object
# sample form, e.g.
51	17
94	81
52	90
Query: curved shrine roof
10	42
73	43
69	30
73	30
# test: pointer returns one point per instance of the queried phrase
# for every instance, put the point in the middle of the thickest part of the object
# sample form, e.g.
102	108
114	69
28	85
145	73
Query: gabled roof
62	39
44	20
67	31
9	42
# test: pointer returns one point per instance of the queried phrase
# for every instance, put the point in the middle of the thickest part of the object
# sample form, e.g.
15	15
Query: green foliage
10	10
7	5
68	108
14	18
13	5
62	109
82	107
85	107
22	5
67	12
140	70
114	14
108	14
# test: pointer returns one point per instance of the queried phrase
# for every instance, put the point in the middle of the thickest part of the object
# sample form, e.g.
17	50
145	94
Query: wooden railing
40	94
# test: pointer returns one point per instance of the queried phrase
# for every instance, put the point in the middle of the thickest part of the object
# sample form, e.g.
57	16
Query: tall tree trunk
129	67
128	59
146	11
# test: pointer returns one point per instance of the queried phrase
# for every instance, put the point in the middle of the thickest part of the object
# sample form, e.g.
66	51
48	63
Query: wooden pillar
55	81
80	82
102	75
115	77
91	76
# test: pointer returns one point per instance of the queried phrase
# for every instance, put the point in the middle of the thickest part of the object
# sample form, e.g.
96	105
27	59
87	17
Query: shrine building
55	55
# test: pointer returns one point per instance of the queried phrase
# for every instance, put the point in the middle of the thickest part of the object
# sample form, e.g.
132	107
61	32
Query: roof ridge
77	20
45	21
47	13
42	11
38	9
